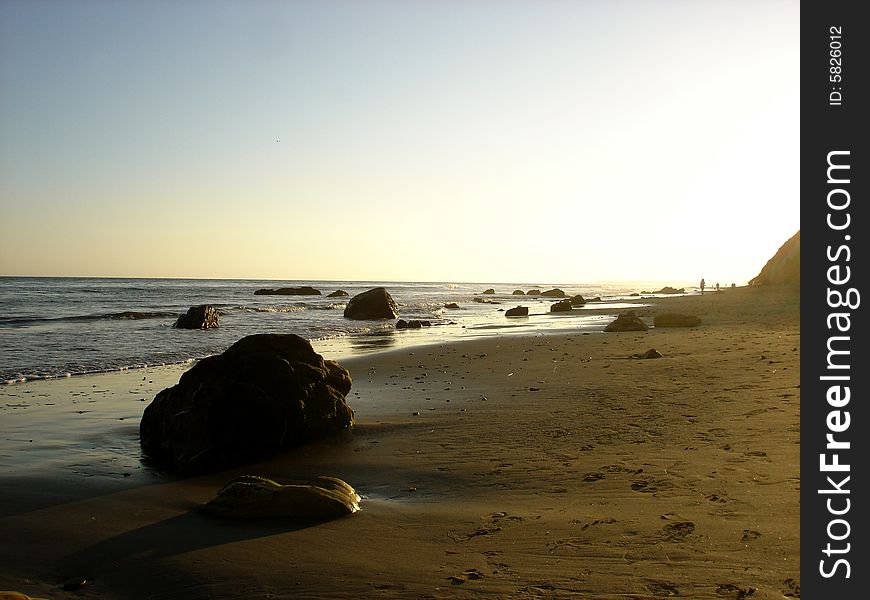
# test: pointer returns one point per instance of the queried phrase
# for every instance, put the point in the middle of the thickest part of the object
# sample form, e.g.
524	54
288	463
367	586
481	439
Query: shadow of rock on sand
46	489
177	535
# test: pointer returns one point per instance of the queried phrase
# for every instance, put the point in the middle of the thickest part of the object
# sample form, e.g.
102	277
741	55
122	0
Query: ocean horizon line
592	282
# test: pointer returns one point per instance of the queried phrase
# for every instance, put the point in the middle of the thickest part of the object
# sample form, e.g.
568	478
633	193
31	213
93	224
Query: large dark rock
533	292
554	293
561	306
627	321
375	303
676	320
578	300
265	393
518	293
517	311
489	291
785	266
198	317
305	290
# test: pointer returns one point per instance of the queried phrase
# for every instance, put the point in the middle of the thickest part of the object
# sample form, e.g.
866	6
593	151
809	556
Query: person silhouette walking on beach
703	285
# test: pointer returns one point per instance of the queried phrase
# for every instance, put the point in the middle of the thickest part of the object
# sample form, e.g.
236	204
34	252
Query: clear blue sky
508	140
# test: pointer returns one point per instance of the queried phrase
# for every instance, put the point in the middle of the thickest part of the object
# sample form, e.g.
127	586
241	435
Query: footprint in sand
650	486
729	590
465	576
662	588
606	521
503	516
791	588
721	498
676	532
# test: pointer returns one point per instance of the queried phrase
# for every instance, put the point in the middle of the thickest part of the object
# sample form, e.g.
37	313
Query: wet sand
537	466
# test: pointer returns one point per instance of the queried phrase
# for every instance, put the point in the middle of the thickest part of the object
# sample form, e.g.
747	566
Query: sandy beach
534	466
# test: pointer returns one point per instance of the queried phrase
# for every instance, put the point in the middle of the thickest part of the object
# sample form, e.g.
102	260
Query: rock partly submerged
561	306
338	294
305	290
517	311
254	497
203	316
373	304
265	393
553	293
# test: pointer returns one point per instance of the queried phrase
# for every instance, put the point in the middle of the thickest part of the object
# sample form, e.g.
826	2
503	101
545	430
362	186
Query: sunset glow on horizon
385	140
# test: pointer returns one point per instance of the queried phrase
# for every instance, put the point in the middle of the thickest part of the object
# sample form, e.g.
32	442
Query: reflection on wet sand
374	341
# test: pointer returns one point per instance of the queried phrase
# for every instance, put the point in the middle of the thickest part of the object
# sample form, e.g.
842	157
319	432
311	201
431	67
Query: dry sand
514	467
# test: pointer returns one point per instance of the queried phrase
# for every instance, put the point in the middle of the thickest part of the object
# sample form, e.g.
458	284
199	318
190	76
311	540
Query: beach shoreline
536	465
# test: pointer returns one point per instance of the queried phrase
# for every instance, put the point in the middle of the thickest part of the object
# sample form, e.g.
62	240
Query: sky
480	141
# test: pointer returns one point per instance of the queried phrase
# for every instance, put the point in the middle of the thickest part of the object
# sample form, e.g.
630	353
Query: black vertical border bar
828	126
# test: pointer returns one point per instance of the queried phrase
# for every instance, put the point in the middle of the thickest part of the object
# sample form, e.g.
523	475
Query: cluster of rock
666	290
412	324
203	316
553	293
629	321
567	304
305	290
265	393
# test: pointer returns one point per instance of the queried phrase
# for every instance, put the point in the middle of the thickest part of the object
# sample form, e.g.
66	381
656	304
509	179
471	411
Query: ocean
64	326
